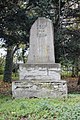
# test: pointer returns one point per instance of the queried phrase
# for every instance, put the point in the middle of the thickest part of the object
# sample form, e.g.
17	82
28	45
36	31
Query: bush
1	70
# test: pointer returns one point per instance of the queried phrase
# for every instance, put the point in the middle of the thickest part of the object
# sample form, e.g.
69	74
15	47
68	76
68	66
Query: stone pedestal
39	80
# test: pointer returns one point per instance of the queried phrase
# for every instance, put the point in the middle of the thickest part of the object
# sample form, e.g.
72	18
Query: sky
2	52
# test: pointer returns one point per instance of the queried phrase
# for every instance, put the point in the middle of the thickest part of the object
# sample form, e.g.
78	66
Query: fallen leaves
5	88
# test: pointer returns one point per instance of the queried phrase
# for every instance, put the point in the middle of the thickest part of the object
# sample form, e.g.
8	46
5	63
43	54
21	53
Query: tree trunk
79	80
77	66
8	65
73	71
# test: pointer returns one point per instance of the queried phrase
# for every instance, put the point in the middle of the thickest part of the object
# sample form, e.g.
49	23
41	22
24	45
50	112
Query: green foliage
1	70
1	77
67	37
40	109
1	65
15	76
13	20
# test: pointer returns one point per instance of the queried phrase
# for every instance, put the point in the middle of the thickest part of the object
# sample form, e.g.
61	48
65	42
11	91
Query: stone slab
39	72
48	65
39	89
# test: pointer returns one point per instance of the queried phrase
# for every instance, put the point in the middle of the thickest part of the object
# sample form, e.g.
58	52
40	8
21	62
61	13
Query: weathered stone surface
40	76
39	72
41	42
39	89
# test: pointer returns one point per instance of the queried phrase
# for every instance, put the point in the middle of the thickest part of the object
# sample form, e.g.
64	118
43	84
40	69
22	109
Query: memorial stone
41	42
40	76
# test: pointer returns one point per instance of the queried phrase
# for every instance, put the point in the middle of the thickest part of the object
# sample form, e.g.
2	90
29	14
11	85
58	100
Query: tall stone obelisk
41	42
40	76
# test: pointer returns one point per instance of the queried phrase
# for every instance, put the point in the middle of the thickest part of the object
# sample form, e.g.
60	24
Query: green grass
66	74
40	109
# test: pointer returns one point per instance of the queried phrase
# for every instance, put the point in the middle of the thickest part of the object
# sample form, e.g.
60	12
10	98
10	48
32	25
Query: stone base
39	72
30	89
39	80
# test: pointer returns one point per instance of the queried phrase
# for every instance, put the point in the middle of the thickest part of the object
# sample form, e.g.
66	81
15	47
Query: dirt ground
72	84
73	87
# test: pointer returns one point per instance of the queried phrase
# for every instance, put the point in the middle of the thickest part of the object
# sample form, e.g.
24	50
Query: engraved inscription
41	29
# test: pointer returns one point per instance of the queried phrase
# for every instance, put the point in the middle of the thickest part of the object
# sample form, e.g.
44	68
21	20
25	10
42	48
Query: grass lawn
40	109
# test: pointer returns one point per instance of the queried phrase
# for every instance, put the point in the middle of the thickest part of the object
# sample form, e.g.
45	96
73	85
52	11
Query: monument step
42	65
43	78
39	89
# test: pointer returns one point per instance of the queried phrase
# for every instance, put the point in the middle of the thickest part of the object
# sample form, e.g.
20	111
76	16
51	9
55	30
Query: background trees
17	16
71	30
13	22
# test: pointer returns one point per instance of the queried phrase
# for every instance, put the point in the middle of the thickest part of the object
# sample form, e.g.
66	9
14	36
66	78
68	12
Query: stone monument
40	76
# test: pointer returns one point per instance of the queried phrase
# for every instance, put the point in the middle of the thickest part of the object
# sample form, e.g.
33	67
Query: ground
72	83
40	109
5	88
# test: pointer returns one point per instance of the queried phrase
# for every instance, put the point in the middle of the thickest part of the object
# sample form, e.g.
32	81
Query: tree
13	31
70	33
